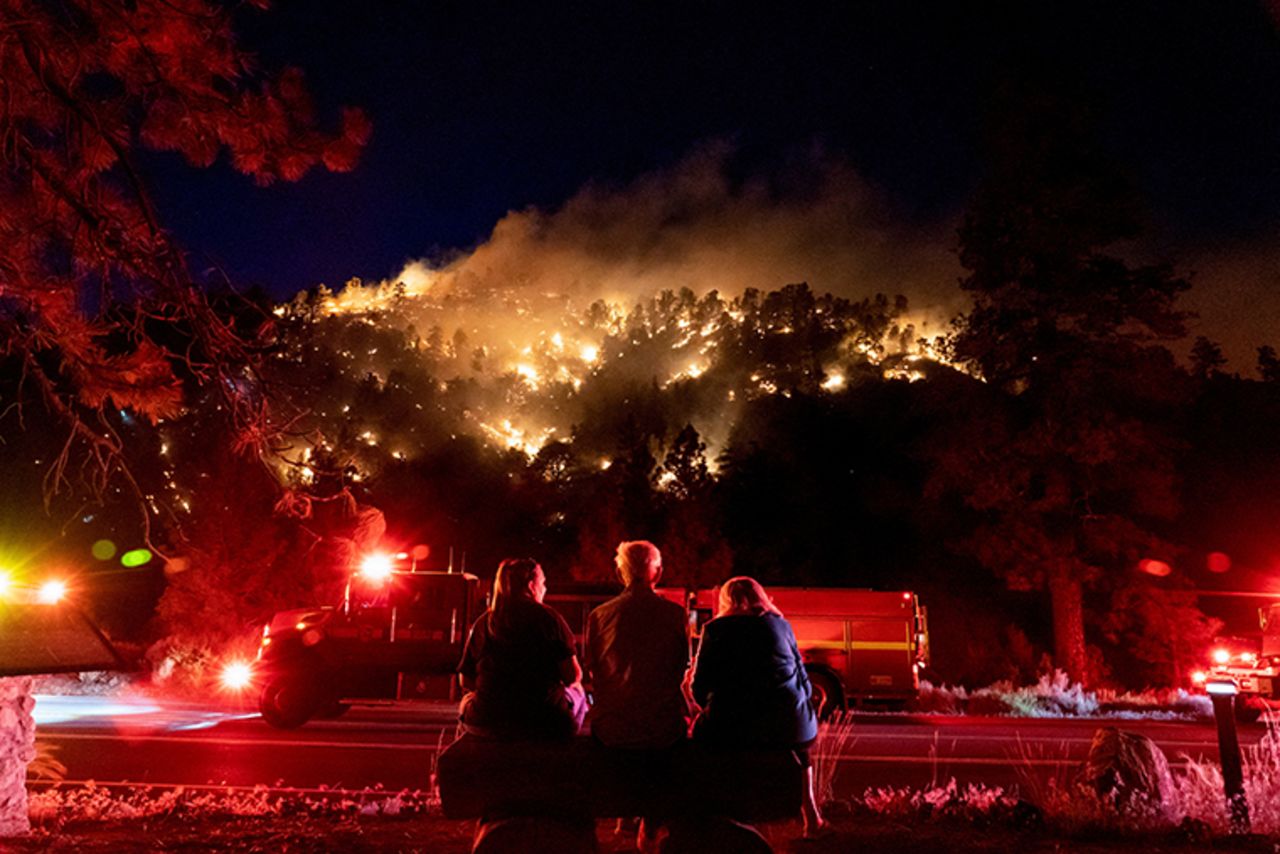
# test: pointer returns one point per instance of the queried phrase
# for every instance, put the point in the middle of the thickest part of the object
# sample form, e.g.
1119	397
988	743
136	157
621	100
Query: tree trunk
17	748
1067	596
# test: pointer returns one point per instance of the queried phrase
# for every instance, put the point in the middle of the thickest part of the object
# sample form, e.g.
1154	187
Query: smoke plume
696	226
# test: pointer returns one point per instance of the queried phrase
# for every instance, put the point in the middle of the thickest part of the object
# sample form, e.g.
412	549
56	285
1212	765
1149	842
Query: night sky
480	109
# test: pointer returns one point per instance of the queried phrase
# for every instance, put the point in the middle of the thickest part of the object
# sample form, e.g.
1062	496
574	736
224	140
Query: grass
1056	696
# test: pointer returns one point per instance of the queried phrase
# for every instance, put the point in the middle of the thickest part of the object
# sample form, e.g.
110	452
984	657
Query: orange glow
1199	677
1158	568
1221	656
6	583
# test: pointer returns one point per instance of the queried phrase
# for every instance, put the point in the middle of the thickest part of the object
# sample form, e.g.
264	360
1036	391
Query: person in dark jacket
637	652
519	666
750	682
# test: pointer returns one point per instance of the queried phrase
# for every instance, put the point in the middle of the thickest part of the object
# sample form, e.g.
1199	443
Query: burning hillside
660	301
522	370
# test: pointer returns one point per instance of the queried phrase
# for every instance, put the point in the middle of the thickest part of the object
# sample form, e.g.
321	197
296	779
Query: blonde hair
639	562
744	595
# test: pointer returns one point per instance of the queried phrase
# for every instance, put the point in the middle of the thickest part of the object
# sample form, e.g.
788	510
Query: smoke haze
695	226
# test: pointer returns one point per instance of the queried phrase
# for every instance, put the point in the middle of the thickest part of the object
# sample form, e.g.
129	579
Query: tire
1248	710
288	701
827	694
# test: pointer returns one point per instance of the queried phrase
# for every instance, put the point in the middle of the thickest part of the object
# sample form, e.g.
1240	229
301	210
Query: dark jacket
751	683
515	663
637	651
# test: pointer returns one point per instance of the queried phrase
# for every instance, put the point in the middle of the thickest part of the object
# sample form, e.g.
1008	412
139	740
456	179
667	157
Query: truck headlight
237	675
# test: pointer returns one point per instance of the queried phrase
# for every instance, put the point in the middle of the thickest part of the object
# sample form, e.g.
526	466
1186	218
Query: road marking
1049	741
242	742
213	787
942	761
940	740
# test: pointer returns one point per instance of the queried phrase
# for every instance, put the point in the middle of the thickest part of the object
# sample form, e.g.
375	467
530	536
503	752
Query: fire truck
862	648
1254	671
398	634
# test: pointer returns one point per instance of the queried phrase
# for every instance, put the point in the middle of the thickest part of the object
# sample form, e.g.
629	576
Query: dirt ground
442	836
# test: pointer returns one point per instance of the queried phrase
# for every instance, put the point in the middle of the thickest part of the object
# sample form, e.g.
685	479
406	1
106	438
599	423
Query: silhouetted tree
94	288
1069	467
1268	364
695	552
1206	358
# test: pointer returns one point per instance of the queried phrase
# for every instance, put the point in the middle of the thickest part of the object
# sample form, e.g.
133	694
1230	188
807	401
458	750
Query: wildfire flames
521	367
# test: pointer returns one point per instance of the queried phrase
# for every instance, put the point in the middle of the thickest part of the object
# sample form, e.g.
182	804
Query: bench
533	796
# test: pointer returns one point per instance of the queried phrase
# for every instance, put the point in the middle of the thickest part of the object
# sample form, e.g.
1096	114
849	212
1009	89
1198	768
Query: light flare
51	592
376	568
237	675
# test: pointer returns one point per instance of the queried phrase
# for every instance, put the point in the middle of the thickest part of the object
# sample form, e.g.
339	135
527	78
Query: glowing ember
516	439
529	374
834	381
907	374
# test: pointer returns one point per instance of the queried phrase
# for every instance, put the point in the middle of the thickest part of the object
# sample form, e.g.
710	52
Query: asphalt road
114	741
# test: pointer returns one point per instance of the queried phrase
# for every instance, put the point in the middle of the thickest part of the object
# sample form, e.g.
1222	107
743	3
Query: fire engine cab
397	634
1254	672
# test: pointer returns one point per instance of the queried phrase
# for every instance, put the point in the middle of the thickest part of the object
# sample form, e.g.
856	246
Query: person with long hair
751	685
519	667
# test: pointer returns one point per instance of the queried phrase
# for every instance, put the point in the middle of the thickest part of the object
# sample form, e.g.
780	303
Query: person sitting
519	666
750	682
637	652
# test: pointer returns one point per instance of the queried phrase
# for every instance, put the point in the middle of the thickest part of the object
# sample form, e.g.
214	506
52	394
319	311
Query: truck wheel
288	702
1248	710
826	694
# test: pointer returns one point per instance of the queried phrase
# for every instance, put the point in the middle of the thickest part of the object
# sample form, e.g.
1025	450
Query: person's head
744	595
519	577
639	563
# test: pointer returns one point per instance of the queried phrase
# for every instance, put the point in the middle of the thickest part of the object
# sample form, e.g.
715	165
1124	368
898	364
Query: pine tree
87	86
1068	465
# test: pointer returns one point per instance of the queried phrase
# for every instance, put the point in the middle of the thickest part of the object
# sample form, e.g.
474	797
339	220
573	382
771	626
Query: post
1223	695
17	748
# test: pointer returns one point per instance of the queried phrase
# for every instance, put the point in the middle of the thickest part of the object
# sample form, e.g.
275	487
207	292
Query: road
116	741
